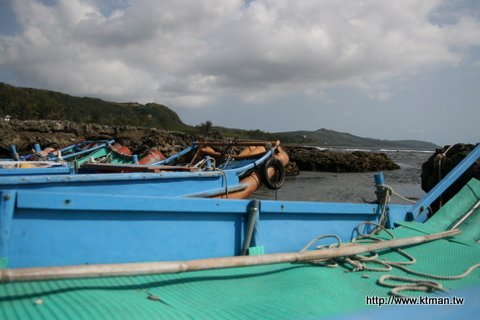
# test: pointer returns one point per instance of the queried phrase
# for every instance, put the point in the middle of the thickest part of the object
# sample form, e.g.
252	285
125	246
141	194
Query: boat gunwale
36	199
9	182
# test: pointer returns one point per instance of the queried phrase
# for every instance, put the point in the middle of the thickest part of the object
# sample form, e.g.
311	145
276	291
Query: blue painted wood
27	199
419	211
36	171
154	184
379	179
176	156
73	151
293	207
173	183
243	168
7	204
215	192
70	152
58	228
13	151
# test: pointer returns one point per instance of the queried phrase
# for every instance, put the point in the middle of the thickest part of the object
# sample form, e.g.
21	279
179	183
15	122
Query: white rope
390	191
202	163
359	263
439	157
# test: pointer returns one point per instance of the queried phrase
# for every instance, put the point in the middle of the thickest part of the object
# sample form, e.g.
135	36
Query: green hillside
28	103
325	137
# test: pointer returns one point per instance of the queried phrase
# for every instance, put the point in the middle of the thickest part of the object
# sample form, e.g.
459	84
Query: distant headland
18	103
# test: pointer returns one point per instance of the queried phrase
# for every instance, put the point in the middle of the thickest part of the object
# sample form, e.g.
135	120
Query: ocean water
353	187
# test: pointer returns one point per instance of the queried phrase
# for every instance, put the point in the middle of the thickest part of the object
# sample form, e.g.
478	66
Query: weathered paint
105	228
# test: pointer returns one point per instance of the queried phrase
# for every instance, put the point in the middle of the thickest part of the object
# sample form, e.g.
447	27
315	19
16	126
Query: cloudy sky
388	69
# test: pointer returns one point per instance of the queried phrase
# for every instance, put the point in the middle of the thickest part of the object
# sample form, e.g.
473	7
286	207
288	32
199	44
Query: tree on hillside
205	127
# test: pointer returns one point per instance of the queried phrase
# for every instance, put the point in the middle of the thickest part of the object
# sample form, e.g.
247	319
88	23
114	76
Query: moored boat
29	168
205	175
53	162
115	153
67	153
85	242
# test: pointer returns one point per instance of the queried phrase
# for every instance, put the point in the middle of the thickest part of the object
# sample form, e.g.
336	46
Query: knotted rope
384	193
360	263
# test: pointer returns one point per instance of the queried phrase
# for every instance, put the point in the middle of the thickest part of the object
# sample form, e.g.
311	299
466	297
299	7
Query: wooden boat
86	151
257	163
93	239
29	168
118	154
236	177
90	150
61	154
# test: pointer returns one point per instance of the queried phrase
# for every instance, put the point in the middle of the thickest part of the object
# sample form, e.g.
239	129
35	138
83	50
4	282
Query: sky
396	69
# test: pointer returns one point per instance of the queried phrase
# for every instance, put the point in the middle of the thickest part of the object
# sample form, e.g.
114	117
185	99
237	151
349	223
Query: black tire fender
277	180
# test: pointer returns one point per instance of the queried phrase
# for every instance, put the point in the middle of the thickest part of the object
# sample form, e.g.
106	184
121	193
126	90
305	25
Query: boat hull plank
103	228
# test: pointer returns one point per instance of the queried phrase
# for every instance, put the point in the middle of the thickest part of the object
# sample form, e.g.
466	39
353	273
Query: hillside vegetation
325	137
37	104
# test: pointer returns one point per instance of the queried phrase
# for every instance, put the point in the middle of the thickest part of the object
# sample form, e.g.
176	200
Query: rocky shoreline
24	134
55	134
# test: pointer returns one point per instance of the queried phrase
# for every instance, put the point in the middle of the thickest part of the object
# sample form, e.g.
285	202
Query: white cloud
191	52
380	96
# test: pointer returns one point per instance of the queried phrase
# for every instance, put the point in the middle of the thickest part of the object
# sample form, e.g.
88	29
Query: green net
282	291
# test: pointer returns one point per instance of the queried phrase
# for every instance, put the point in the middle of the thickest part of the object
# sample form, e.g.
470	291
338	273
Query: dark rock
291	169
313	159
440	164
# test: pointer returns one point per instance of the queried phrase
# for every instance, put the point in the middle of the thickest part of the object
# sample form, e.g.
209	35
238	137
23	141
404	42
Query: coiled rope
360	263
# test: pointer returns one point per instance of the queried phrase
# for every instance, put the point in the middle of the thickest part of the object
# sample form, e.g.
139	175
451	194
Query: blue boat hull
55	229
165	184
174	181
